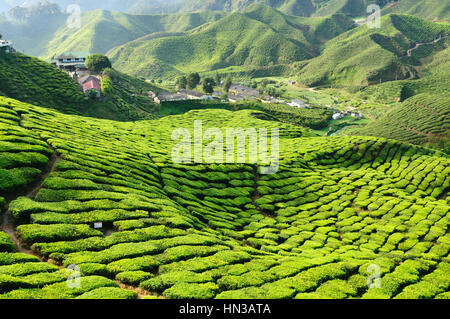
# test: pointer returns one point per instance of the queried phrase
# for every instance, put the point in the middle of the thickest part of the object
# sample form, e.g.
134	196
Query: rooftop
72	55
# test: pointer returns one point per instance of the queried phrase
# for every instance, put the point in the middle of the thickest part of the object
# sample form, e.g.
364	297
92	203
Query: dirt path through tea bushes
8	224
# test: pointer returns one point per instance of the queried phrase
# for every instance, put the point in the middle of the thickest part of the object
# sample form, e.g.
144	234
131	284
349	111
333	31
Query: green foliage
109	293
336	206
97	62
193	79
208	85
107	85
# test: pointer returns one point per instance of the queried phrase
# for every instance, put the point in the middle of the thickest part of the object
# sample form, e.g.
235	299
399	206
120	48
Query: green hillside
336	206
259	37
364	56
34	81
427	9
423	119
293	7
102	30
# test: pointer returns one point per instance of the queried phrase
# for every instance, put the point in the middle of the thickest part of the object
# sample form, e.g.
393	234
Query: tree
193	79
227	84
107	85
208	85
217	78
97	62
92	94
182	82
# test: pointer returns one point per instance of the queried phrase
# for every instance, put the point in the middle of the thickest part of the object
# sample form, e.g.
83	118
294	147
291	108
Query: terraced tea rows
421	119
337	209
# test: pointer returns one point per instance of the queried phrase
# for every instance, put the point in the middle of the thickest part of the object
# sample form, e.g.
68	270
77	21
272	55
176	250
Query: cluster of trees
97	62
192	80
264	88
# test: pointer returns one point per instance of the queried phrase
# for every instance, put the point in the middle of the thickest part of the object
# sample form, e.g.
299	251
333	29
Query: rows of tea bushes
34	81
25	156
336	209
421	119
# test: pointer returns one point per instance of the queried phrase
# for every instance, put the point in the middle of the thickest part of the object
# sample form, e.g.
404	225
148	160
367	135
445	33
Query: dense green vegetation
34	81
336	206
370	199
364	56
423	119
100	30
259	37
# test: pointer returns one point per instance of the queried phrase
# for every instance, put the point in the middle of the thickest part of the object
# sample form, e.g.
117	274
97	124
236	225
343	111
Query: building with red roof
92	84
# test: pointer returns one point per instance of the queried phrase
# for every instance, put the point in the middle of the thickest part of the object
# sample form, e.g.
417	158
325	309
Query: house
169	97
6	46
235	98
93	84
244	91
86	78
191	95
71	61
356	115
299	103
208	98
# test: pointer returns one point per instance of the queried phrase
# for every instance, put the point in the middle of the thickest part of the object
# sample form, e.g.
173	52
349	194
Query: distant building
356	115
298	103
71	61
6	46
86	78
169	97
208	98
191	95
244	91
93	84
235	98
337	116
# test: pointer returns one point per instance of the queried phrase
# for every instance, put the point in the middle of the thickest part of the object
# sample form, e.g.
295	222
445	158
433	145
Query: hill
100	30
336	206
34	81
423	120
259	37
364	56
428	9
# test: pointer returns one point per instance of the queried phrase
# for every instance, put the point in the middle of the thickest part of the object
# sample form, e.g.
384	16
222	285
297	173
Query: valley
96	204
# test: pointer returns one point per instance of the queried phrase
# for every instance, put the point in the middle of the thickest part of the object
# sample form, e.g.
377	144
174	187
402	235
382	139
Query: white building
299	104
7	45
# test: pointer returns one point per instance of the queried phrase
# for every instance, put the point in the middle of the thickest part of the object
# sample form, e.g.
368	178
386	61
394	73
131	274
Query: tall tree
97	62
217	78
182	82
193	79
208	85
227	84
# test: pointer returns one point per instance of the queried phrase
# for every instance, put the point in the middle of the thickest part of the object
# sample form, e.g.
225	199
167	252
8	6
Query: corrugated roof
72	55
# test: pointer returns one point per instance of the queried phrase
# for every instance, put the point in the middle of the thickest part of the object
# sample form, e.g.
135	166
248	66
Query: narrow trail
418	45
8	224
412	75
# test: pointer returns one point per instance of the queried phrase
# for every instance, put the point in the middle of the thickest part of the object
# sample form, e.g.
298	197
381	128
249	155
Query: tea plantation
339	210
